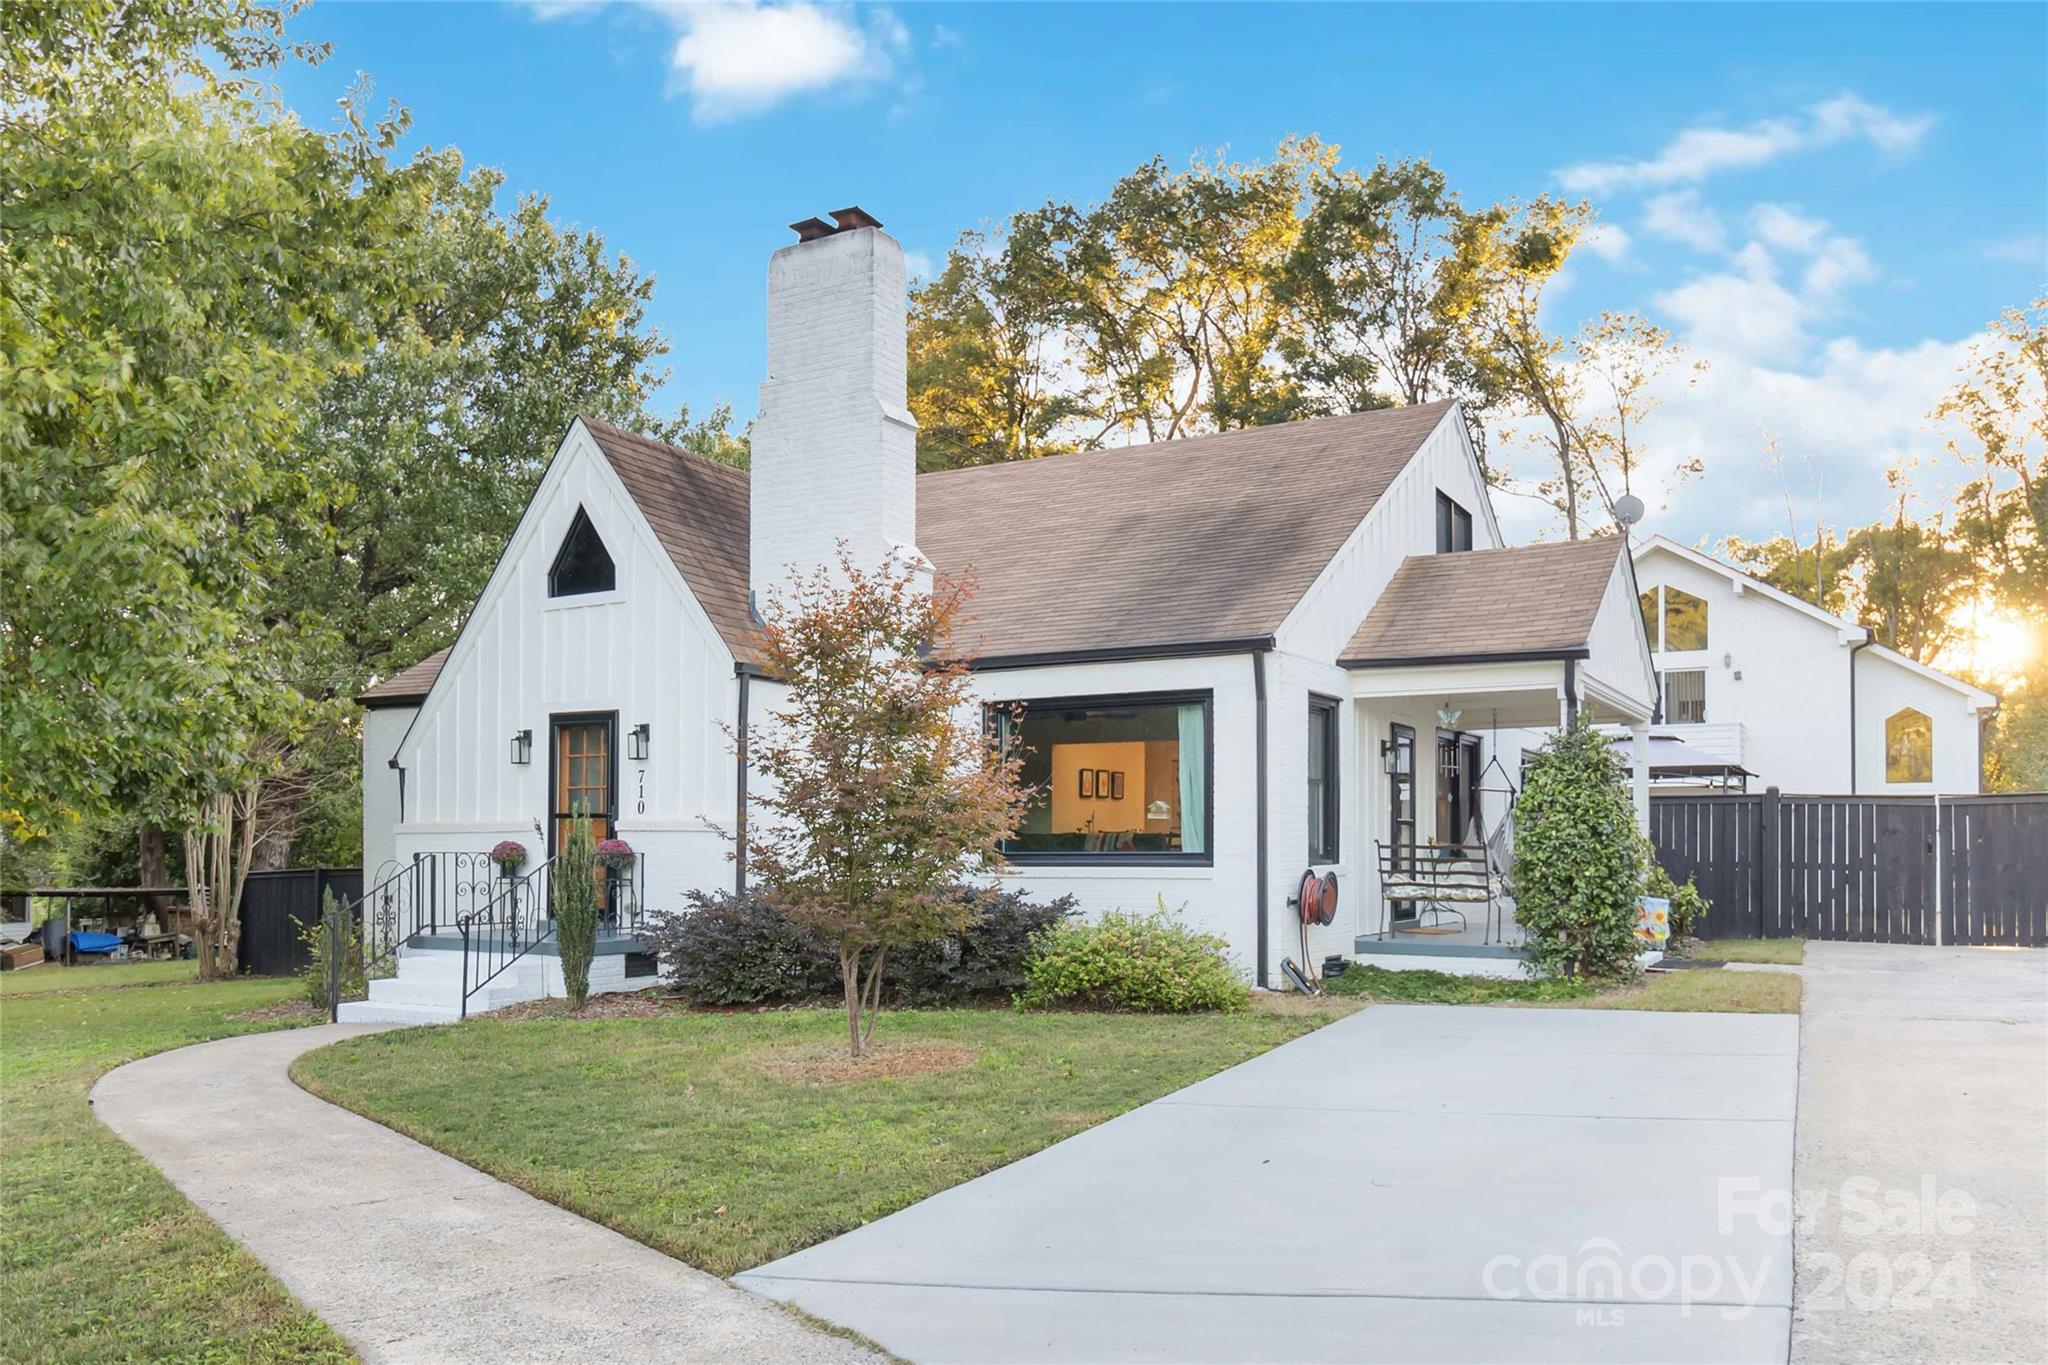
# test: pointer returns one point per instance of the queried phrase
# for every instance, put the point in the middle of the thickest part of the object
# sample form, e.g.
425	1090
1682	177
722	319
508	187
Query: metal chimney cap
854	216
811	229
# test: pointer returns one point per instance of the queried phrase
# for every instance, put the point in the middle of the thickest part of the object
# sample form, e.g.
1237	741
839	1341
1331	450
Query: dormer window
582	565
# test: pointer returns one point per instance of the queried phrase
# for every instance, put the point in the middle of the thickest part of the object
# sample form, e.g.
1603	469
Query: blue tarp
94	943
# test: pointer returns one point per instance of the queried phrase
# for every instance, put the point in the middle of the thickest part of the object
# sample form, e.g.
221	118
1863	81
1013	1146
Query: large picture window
1674	619
1322	780
1909	747
1116	777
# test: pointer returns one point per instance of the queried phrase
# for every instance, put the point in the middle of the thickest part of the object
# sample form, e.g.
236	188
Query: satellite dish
1628	509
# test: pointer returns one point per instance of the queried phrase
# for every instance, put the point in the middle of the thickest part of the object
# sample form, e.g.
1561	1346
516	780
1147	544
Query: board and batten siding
1620	664
645	650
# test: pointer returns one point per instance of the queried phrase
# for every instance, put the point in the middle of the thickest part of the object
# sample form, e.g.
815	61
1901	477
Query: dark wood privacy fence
272	901
1874	869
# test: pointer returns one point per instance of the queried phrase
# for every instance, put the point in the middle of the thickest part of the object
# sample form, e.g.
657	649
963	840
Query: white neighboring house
1242	656
1800	698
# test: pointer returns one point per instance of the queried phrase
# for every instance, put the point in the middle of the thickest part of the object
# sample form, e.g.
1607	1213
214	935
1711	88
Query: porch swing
1499	842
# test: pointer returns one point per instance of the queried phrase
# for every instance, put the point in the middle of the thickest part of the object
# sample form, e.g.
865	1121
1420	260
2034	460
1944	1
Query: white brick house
1271	650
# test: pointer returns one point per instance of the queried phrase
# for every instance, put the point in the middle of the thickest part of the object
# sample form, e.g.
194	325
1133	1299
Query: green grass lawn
713	1137
1788	952
100	1258
49	976
1697	990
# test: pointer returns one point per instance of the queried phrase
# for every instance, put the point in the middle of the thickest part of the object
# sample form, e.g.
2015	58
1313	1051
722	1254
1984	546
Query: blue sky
1823	203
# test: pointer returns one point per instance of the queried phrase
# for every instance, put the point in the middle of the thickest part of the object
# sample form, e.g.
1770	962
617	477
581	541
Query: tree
1377	283
1515	251
1580	862
2001	405
987	378
880	789
1620	358
185	266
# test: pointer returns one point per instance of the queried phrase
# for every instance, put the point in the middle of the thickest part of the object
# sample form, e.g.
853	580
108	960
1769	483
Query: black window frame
1325	845
581	522
997	711
1453	525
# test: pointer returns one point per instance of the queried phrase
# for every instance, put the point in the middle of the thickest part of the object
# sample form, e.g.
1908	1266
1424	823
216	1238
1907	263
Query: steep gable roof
1528	600
1172	546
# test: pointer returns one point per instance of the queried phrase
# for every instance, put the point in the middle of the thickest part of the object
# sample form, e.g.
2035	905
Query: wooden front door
584	780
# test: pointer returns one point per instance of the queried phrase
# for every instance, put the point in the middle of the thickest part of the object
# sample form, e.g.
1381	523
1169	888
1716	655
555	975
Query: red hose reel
1317	898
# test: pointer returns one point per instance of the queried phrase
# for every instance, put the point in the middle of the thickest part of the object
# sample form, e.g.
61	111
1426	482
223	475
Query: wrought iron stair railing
508	926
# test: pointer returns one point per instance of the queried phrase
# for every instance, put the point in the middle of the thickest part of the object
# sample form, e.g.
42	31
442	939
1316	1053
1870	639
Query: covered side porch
1466	665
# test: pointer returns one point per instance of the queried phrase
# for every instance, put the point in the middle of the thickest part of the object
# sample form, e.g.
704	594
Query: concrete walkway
410	1254
1412	1183
1923	1101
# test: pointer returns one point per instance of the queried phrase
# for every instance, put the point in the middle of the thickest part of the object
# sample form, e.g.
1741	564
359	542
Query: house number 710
640	801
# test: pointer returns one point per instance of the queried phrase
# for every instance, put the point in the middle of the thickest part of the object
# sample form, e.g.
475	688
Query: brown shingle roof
1530	599
407	686
1182	543
698	509
1179	544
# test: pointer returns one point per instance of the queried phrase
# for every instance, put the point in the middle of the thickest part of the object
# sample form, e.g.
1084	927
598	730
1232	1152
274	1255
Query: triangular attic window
582	564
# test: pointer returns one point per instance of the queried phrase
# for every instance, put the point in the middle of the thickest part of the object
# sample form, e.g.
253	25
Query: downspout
1259	700
739	842
1571	693
1869	639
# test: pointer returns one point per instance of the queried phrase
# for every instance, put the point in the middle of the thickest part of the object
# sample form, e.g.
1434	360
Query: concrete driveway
1410	1183
1923	1154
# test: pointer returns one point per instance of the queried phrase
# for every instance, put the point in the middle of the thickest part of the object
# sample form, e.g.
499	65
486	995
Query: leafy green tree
1579	859
2000	403
1377	283
185	266
879	790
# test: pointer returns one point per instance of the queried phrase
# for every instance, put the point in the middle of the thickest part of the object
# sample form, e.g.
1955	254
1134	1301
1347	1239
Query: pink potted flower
615	855
509	855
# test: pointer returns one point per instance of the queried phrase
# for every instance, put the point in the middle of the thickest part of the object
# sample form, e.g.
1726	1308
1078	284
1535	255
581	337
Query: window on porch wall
1685	696
1114	778
1322	779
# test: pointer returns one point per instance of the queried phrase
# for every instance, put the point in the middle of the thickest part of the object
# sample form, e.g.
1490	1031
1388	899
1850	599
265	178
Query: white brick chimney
834	445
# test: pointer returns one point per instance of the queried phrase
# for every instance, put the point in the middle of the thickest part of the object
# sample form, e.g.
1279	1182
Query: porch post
1639	746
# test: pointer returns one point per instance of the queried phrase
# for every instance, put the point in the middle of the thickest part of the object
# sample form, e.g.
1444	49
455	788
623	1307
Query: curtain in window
1194	780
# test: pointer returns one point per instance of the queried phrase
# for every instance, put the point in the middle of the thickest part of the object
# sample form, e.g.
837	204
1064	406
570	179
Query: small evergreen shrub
728	950
1579	859
1153	963
574	892
338	927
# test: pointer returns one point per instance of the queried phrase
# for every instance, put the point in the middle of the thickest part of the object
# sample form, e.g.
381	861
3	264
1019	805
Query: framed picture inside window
1087	784
1116	786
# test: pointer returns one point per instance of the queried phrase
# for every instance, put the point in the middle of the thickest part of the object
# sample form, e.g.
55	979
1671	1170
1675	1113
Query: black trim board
1506	656
1119	653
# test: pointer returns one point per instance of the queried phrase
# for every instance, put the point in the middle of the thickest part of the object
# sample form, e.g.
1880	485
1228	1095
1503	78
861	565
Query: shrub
986	960
732	950
1579	860
1688	907
335	925
573	890
728	950
1153	963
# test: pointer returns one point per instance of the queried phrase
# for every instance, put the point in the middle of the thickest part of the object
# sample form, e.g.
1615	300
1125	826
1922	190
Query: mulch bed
610	1005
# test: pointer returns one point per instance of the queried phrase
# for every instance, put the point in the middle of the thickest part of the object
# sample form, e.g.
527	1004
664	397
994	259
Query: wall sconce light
522	747
1387	757
636	742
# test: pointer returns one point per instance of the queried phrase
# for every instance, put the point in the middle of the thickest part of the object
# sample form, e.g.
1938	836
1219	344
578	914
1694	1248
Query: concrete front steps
428	987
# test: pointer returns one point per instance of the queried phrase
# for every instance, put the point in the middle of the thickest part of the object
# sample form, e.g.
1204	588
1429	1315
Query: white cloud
1786	229
740	57
1609	241
2022	248
1697	153
1682	217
